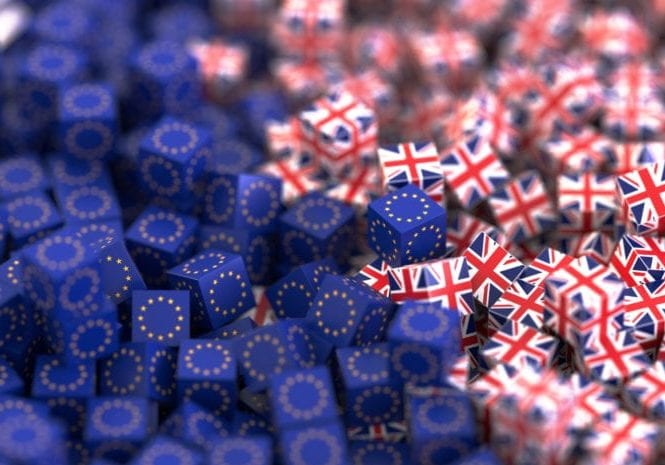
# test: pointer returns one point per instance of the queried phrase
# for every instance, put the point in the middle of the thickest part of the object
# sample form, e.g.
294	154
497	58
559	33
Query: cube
314	445
207	375
143	369
346	312
378	453
302	397
18	322
158	240
587	202
442	426
58	22
406	226
292	295
87	121
254	450
219	287
12	383
120	275
21	174
237	328
160	316
369	394
641	197
31	218
195	426
421	338
90	203
163	449
251	424
243	201
74	172
94	234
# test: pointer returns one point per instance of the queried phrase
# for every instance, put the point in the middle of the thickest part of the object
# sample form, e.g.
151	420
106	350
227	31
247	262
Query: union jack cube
639	259
644	395
464	227
492	269
545	263
522	207
587	203
342	133
522	302
358	190
309	29
487	390
630	156
612	359
622	438
222	65
283	138
472	170
373	90
577	151
517	344
633	107
583	299
297	180
644	312
592	403
421	115
303	81
615	34
376	47
375	275
596	245
642	195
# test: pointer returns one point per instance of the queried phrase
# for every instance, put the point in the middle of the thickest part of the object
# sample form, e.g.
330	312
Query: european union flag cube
346	312
196	426
159	239
207	375
43	73
163	449
370	395
30	218
442	426
219	287
234	156
160	316
63	23
237	328
269	350
74	172
87	121
120	275
18	322
424	341
252	424
314	444
406	226
143	369
291	296
243	201
91	203
116	427
316	227
10	381
236	450
93	234
378	453
20	175
254	246
172	156
164	79
302	397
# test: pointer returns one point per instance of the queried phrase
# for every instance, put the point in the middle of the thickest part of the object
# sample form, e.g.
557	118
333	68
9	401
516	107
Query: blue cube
195	426
481	456
64	23
251	424
314	228
90	203
236	450
144	369
234	156
302	397
369	394
442	426
292	295
30	218
163	80
172	156
158	240
235	329
18	322
20	175
93	234
424	343
87	121
255	247
379	453
406	226
10	381
315	445
207	375
243	201
72	172
120	275
116	427
163	450
219	287
346	312
160	316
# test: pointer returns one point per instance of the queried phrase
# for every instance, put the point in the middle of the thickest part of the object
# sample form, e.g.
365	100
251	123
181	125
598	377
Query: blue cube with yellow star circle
237	450
120	275
406	226
315	444
219	286
31	218
196	426
160	316
165	450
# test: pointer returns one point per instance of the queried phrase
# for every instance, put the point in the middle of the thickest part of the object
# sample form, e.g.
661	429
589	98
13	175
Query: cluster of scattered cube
327	232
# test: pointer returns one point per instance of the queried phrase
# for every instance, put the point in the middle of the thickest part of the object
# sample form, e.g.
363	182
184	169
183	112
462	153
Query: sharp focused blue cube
219	287
442	426
20	175
160	316
30	218
144	369
158	240
346	312
368	393
87	121
315	444
93	234
120	275
314	228
196	426
207	375
237	328
379	453
292	295
236	450
424	342
406	226
302	397
164	450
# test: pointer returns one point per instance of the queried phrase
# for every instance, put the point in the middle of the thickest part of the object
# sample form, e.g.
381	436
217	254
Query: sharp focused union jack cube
375	275
587	203
641	194
406	226
644	311
638	259
517	344
160	316
522	302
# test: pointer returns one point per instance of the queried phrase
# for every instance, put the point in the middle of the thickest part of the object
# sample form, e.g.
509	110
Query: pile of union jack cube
332	232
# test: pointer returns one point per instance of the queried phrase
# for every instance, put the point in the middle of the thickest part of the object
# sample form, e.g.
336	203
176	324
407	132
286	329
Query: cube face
72	172
236	450
640	194
88	204
326	444
195	426
55	379
20	175
130	419
30	218
160	316
120	276
443	415
302	397
406	226
164	450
